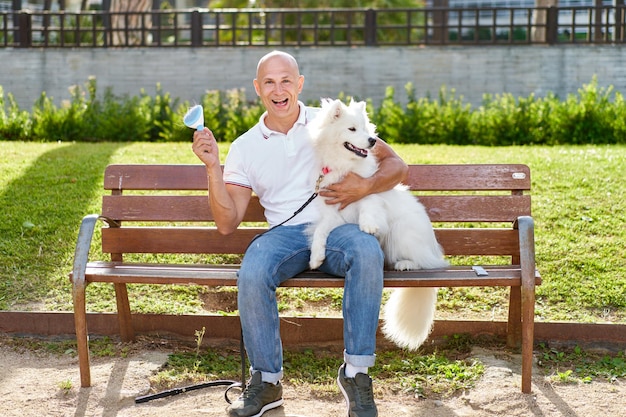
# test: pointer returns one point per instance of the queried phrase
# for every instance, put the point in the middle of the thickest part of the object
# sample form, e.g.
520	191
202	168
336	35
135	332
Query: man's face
278	85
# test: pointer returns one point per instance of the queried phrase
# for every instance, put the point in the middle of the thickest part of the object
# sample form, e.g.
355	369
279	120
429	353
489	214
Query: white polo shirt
281	169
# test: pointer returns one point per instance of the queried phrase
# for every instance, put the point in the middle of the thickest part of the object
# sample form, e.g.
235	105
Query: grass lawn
579	206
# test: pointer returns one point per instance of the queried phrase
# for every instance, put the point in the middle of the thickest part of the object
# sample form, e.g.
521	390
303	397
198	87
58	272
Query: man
275	160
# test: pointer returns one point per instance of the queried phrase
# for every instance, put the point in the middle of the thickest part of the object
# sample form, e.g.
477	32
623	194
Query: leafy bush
592	116
15	124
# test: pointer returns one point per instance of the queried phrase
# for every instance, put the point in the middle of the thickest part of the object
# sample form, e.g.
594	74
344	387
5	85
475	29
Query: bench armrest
83	245
526	227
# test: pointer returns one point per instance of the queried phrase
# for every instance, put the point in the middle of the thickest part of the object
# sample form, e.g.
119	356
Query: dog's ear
357	105
335	110
325	101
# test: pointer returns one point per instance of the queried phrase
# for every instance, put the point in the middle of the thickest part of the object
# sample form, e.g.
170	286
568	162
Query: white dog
342	136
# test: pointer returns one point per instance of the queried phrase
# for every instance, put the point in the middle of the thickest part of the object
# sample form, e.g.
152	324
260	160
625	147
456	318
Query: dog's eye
352	129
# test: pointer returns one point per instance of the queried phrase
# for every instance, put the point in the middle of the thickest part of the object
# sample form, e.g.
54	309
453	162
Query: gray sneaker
358	393
257	398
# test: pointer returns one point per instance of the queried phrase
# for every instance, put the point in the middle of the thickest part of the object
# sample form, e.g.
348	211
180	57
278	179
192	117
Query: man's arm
228	202
392	170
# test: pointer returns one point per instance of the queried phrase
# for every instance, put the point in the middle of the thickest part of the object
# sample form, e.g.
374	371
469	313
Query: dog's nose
372	142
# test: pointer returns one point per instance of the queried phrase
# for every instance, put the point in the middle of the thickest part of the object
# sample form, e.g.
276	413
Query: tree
540	19
127	15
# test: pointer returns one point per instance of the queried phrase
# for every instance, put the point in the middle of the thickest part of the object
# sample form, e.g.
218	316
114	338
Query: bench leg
127	332
514	325
82	341
520	330
528	329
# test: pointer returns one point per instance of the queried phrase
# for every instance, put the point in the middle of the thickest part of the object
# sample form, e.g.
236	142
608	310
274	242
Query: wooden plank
175	240
488	242
469	177
483	242
155	177
190	208
226	275
421	177
314	330
195	208
476	208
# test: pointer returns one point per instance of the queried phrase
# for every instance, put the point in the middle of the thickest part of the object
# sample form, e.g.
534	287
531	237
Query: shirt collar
267	132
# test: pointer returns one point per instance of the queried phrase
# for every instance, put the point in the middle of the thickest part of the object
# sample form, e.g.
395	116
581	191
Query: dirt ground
34	384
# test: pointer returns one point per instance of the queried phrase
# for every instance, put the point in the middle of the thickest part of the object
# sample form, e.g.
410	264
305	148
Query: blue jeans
283	252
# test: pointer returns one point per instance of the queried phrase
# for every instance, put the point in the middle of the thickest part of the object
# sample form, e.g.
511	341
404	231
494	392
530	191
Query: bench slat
469	177
421	177
175	240
155	177
195	208
491	242
476	208
226	275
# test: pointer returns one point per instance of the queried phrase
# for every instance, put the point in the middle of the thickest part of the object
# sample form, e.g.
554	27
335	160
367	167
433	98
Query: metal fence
314	27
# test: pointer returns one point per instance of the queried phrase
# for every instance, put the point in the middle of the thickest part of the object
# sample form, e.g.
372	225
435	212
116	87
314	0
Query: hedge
592	116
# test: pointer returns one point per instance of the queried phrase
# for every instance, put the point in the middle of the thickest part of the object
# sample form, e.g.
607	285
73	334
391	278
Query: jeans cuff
359	360
270	377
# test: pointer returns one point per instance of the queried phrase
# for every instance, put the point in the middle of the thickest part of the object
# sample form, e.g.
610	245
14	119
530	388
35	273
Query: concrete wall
187	73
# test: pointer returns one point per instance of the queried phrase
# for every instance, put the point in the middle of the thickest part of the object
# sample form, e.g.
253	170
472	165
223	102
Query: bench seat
226	275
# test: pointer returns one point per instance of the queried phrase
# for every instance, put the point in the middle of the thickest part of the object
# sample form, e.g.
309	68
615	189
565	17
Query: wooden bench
159	209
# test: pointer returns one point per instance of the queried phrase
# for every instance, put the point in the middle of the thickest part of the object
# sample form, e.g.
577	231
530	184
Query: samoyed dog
342	137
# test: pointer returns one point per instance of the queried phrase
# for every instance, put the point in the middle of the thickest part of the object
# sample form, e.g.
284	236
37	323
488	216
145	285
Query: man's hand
350	189
205	148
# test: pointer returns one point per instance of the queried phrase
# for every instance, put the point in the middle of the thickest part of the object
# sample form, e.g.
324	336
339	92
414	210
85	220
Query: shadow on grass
41	213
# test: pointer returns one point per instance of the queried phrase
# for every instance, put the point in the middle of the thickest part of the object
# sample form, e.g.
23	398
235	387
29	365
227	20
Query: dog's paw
317	257
404	265
316	262
368	227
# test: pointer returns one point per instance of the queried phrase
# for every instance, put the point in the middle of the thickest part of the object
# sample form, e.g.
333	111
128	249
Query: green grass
575	365
579	206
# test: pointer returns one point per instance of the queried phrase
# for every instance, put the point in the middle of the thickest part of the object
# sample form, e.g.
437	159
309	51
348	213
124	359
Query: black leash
218	383
302	207
295	213
176	391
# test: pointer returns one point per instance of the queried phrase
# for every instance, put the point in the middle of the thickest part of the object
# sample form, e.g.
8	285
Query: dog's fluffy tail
409	316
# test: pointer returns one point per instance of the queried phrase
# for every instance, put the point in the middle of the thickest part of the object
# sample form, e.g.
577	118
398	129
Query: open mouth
357	151
280	103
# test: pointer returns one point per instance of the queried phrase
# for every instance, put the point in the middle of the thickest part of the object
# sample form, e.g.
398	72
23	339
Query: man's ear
256	86
300	83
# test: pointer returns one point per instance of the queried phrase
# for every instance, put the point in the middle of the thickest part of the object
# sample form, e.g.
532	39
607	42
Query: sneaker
358	393
257	398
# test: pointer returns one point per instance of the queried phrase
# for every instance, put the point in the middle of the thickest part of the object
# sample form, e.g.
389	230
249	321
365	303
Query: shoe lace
365	396
251	391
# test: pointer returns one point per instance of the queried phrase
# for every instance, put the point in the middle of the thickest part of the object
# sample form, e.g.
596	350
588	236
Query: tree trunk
540	19
130	24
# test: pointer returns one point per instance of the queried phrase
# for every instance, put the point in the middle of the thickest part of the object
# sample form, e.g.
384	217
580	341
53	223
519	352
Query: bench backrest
479	203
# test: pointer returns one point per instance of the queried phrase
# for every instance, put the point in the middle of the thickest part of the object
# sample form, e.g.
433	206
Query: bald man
275	160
